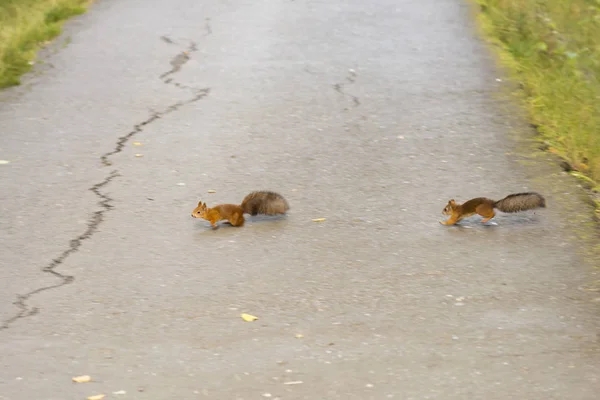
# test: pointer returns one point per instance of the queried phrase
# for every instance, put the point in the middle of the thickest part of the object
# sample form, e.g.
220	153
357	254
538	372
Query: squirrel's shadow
225	226
504	220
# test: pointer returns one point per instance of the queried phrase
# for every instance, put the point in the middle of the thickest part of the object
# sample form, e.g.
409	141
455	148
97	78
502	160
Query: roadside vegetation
25	26
553	48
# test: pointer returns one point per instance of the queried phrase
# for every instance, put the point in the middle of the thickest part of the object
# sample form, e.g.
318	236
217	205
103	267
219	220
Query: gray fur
264	202
520	202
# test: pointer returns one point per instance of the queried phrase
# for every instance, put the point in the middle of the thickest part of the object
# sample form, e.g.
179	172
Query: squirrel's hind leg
237	219
486	212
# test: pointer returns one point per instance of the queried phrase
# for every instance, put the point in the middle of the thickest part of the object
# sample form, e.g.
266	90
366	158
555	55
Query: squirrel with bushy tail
260	202
485	207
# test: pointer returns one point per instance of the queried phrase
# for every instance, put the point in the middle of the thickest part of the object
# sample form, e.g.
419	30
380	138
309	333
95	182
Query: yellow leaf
3	162
139	155
137	144
248	317
212	191
299	336
318	220
96	397
82	379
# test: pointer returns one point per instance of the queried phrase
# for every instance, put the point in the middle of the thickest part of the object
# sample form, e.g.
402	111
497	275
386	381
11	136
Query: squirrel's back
265	202
520	202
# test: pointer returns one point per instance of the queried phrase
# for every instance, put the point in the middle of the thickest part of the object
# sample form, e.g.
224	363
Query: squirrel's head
200	211
449	207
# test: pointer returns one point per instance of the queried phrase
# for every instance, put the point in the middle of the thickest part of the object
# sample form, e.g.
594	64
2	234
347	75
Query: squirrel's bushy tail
520	202
264	202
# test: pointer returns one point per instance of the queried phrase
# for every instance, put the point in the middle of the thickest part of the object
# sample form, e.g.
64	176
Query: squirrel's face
449	207
200	211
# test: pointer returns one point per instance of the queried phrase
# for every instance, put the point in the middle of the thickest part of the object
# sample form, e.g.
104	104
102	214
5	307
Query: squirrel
259	202
485	207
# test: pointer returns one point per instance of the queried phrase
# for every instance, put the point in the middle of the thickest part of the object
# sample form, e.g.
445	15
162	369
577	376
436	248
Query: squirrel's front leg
450	221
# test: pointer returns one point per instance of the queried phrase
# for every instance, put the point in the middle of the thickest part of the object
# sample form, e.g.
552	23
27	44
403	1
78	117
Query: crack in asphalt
92	225
180	59
207	27
105	201
121	141
340	87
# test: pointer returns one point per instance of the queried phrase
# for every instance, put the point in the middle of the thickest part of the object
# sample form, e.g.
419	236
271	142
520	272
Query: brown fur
261	202
485	207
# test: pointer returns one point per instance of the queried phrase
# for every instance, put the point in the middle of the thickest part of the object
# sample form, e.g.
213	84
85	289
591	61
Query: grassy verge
553	48
25	26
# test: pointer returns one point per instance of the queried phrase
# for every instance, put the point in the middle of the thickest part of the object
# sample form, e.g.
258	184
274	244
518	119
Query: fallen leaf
248	317
318	220
120	392
212	191
96	397
299	336
82	379
2	162
293	383
137	144
139	155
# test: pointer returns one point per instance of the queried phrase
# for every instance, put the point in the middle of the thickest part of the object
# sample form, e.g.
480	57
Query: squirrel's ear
452	202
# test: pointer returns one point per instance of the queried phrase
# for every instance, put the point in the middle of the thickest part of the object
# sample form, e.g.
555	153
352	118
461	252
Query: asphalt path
369	115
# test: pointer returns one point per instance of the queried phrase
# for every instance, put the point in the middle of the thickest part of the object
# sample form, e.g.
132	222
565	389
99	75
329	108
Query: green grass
553	49
25	26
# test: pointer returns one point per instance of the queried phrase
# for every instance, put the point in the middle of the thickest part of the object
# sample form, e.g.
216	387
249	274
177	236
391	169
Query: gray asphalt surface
369	114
